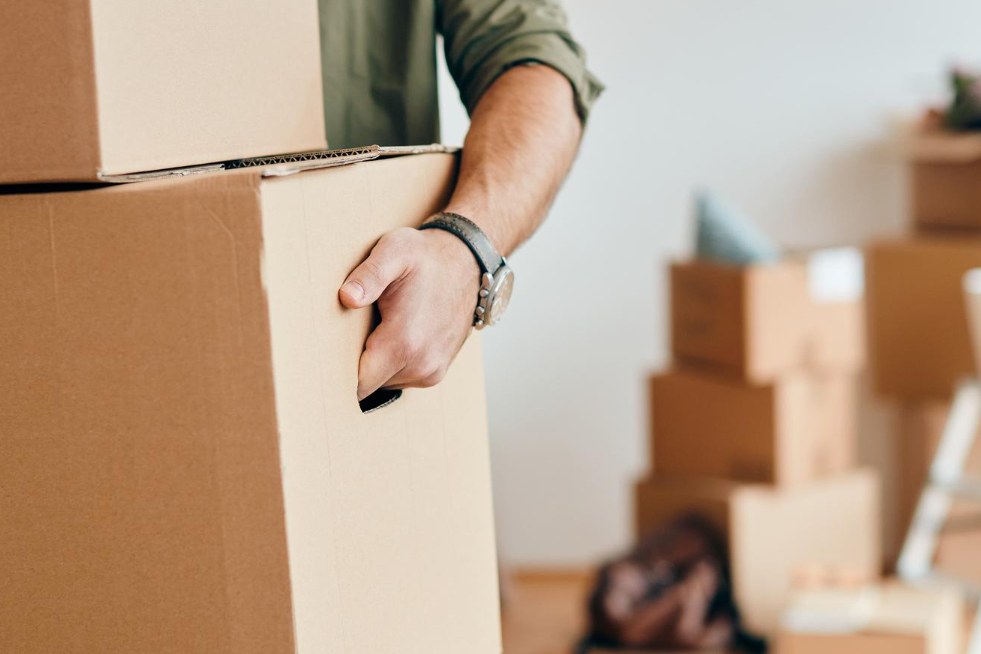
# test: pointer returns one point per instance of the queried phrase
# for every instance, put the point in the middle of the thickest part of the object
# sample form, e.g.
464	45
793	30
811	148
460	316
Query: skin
523	137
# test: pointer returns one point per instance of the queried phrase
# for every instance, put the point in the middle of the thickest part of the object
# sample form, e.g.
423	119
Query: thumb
369	280
381	360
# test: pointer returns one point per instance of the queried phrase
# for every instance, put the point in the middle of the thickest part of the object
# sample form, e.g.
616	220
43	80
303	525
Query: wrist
496	278
455	254
477	213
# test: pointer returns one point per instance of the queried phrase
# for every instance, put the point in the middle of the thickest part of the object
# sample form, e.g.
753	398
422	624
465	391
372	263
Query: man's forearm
523	137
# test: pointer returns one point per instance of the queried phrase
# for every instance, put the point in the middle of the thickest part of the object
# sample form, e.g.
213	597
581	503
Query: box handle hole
379	399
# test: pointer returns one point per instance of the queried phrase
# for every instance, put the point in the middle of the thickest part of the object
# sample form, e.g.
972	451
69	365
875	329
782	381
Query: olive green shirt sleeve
483	38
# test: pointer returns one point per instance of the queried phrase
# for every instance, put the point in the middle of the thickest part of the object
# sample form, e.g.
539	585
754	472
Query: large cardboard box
887	619
945	180
95	88
800	428
184	466
774	534
919	344
758	322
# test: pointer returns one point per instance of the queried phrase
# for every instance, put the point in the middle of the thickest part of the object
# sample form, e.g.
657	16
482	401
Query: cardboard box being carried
760	321
800	428
945	179
184	466
887	619
919	344
773	534
100	88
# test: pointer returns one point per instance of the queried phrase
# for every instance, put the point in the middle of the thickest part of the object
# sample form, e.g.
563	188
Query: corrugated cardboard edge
286	164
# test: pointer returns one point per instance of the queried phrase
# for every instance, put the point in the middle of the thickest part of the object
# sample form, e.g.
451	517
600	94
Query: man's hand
425	283
523	136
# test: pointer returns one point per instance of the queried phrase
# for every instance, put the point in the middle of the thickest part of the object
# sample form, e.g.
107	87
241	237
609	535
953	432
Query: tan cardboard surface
184	467
774	534
392	546
919	346
137	86
48	123
139	463
800	428
758	322
946	194
832	523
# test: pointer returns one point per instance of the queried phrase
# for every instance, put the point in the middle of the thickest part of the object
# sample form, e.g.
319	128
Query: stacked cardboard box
919	343
184	466
755	427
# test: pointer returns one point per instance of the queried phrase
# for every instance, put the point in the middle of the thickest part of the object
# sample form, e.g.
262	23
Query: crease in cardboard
234	244
54	258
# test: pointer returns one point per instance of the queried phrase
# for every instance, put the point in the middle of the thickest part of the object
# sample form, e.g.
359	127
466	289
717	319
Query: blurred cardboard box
890	618
103	88
185	466
800	428
775	533
945	179
919	344
761	321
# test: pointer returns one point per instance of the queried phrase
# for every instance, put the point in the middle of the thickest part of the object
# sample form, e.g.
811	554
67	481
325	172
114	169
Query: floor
544	611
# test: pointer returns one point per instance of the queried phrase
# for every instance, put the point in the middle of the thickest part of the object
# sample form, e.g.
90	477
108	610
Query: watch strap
463	228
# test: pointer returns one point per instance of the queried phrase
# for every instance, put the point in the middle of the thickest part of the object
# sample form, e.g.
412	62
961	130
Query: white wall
782	107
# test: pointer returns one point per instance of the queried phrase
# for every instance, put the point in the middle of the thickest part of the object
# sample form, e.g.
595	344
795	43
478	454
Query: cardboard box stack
754	426
919	342
184	466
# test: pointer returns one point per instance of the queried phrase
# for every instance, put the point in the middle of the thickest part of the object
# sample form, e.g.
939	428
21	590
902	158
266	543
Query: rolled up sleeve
484	38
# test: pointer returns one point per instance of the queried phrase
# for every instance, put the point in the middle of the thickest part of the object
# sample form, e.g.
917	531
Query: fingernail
353	290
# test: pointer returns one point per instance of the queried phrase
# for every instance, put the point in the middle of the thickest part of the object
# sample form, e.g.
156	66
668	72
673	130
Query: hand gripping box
184	466
773	535
96	88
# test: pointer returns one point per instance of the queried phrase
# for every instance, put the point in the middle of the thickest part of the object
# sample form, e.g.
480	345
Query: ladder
947	481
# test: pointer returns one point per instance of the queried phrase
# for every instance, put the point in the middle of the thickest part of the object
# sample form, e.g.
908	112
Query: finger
369	280
384	357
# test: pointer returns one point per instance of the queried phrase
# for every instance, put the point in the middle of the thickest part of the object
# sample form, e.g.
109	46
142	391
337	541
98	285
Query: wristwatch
496	278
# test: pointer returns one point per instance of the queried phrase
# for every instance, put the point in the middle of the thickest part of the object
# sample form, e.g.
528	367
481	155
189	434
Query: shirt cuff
548	49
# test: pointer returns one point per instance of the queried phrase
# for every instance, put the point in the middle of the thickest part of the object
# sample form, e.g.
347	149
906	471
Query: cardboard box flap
287	164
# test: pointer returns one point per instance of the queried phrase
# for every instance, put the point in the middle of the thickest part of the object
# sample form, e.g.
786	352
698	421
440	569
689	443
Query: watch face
500	295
